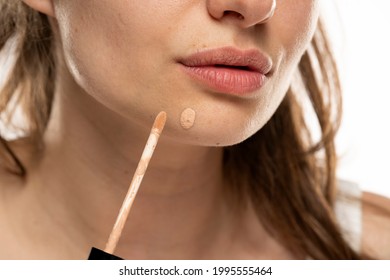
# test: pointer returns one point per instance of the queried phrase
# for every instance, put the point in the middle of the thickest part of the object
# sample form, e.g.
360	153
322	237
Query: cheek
292	30
83	38
101	43
296	23
117	50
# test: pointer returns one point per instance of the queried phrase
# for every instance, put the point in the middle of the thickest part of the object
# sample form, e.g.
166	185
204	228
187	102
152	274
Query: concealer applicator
108	253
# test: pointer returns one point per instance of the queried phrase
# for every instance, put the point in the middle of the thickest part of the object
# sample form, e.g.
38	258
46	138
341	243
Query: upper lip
252	59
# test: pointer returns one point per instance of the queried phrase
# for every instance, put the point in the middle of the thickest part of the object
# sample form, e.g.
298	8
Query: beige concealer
187	118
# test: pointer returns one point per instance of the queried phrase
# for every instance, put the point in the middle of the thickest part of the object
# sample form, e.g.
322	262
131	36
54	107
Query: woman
244	181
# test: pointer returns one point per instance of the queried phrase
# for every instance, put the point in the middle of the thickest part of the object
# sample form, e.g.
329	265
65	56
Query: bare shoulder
376	225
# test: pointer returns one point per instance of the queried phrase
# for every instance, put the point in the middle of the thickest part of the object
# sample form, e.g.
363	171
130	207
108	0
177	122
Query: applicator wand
108	253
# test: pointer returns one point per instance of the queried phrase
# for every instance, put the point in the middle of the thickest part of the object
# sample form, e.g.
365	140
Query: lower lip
227	80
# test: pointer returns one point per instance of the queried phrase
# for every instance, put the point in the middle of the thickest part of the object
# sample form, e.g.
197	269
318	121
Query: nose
245	13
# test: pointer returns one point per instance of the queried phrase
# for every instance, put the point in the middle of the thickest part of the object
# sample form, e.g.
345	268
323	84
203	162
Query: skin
117	69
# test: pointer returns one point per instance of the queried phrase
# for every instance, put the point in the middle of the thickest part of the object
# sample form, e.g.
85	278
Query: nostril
233	14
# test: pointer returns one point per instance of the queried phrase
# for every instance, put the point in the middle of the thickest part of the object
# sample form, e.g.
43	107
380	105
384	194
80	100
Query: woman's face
132	56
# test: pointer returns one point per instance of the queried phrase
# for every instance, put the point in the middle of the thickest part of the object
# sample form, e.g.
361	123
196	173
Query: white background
360	30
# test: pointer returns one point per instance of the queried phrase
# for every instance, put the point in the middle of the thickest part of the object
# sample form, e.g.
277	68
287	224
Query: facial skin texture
125	55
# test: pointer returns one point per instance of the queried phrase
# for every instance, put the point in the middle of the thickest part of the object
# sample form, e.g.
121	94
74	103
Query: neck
89	158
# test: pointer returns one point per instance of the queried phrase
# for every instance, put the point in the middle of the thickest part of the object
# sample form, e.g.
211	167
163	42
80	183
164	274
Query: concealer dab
187	118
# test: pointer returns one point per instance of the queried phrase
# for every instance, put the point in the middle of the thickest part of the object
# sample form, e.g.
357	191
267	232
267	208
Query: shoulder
376	225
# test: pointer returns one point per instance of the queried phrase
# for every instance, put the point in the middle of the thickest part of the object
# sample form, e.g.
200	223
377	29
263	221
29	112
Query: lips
228	70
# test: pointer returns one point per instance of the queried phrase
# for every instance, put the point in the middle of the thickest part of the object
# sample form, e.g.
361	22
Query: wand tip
160	120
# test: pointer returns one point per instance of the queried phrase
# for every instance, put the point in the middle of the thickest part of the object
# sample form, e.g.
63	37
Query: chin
210	136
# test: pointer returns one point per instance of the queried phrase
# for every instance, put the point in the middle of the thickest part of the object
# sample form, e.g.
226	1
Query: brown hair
27	38
289	178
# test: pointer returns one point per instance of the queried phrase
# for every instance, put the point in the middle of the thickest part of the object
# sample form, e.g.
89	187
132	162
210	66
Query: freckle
187	118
